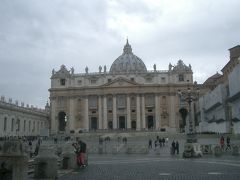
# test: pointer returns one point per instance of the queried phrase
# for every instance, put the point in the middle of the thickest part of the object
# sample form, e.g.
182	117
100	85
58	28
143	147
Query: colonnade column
114	112
86	118
54	115
138	113
100	121
143	113
172	117
105	112
157	111
71	116
128	113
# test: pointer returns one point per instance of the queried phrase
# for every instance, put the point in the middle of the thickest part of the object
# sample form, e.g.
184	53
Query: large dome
128	63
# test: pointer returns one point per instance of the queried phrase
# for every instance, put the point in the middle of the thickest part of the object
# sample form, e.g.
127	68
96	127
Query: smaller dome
128	62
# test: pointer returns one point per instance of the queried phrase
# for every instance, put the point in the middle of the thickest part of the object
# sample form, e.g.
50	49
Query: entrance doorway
133	124
93	123
121	122
62	121
150	123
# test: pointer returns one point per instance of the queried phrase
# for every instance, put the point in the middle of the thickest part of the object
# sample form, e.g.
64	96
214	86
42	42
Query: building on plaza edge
19	119
128	96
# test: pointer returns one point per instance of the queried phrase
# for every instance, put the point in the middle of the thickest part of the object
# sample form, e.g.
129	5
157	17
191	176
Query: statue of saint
105	69
170	66
53	71
154	67
72	70
86	70
190	67
100	69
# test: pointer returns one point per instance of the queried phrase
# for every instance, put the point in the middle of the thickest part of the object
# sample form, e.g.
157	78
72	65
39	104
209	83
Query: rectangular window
121	101
180	77
5	124
24	125
62	82
163	79
29	126
93	81
109	103
33	126
79	82
18	124
12	127
92	102
132	79
109	80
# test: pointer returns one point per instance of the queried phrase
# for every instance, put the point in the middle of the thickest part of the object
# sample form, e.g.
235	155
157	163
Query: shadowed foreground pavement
146	167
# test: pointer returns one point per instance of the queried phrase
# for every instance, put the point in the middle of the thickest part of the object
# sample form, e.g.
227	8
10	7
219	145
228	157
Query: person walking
155	143
228	143
83	149
163	141
173	147
150	144
177	147
77	151
222	142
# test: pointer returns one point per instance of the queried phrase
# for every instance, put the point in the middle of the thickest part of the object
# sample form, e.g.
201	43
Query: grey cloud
36	36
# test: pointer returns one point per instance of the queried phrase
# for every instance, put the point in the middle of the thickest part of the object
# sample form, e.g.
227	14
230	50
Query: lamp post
189	97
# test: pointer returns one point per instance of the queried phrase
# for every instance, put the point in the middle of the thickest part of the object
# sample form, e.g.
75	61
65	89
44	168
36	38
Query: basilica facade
127	97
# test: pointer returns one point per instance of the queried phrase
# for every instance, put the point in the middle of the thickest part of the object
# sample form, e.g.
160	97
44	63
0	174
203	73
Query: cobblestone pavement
131	167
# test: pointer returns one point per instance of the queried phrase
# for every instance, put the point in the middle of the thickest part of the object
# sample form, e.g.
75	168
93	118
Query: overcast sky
37	36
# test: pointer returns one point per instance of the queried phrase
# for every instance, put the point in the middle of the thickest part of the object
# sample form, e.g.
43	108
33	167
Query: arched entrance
93	125
62	121
121	122
182	124
133	124
150	122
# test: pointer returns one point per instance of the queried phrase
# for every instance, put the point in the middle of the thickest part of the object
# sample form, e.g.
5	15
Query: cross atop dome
127	48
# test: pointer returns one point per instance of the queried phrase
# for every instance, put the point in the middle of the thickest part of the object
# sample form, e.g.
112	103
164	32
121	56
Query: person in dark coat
228	144
173	147
177	147
150	144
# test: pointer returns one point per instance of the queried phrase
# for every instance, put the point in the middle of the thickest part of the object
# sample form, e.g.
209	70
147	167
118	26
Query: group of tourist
80	148
174	148
157	142
222	143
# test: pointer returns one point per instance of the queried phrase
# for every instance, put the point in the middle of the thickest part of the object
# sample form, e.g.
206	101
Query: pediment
120	82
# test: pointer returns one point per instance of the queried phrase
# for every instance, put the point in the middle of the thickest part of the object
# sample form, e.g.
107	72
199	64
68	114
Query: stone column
54	115
157	111
143	113
100	121
105	126
172	116
128	113
114	112
138	113
86	118
71	120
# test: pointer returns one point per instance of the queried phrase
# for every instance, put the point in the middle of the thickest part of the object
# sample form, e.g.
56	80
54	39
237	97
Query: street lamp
189	97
